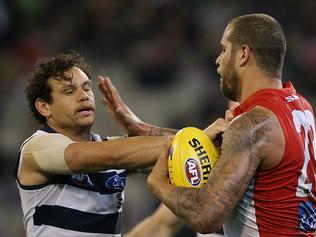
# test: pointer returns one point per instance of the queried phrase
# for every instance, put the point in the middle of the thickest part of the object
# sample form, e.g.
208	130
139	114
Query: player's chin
87	121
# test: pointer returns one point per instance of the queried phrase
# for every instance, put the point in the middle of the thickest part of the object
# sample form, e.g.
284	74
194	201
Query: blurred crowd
159	53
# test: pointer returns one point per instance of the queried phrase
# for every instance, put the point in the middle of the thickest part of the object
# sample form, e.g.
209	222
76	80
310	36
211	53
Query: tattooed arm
248	143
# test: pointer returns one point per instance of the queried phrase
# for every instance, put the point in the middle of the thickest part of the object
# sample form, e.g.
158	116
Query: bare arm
128	153
42	160
125	118
161	223
246	144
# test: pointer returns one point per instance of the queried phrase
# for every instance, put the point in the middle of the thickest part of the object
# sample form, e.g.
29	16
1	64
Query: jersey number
304	119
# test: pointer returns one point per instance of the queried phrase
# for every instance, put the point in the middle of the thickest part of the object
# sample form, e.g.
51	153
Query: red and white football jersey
281	201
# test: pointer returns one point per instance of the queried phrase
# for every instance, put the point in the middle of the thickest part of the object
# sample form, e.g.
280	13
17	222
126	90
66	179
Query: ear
43	107
244	54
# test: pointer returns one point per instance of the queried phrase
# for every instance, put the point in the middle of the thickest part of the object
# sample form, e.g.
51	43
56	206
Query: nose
217	61
83	95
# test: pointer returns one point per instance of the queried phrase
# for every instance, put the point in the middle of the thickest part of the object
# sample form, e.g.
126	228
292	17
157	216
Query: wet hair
265	37
51	67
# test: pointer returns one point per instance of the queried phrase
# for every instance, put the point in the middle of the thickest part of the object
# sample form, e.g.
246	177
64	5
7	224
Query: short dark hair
46	68
265	37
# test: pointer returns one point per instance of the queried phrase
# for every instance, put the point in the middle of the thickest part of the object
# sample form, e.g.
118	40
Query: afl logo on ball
192	171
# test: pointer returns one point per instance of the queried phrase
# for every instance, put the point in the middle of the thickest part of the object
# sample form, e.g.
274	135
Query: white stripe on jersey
242	221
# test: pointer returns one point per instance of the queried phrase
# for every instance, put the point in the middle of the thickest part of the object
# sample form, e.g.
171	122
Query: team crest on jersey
82	180
116	182
307	216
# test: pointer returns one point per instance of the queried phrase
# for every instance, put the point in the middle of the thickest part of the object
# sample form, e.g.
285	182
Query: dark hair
265	37
46	68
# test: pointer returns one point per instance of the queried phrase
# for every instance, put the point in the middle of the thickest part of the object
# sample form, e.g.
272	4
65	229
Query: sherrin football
191	158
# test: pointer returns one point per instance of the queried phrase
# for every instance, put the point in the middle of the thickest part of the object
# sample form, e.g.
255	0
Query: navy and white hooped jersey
85	204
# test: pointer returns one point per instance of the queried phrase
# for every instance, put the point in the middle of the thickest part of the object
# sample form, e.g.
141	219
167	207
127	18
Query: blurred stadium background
159	53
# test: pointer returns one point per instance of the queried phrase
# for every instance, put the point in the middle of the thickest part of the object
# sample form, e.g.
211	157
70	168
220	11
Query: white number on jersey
304	119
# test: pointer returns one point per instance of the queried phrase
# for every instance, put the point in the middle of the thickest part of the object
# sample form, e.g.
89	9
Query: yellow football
191	158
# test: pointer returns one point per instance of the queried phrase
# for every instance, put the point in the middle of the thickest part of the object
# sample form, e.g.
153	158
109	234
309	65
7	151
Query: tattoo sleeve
245	144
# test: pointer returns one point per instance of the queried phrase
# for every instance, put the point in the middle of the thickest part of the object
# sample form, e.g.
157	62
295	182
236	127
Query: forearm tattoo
245	144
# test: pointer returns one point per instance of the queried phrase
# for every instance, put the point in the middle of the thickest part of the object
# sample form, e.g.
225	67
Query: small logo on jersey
119	200
193	171
307	216
116	182
82	180
291	98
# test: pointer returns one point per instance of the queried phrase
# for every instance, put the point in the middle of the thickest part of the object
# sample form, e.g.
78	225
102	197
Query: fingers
219	126
163	157
107	87
159	174
232	104
108	105
102	86
168	145
165	153
229	115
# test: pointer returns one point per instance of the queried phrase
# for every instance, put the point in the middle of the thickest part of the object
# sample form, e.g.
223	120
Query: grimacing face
226	68
73	104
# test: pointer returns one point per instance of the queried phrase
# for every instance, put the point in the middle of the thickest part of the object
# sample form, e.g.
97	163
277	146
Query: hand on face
159	175
126	119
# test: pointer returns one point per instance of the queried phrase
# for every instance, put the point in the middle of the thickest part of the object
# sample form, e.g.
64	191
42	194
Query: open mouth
85	110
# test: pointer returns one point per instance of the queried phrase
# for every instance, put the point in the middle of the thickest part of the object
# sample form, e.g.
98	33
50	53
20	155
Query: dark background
160	54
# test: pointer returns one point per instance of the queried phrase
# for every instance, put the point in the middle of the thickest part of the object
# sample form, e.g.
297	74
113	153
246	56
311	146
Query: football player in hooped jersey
62	193
264	181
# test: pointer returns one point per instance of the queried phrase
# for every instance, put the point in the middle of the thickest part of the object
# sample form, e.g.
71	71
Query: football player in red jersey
263	183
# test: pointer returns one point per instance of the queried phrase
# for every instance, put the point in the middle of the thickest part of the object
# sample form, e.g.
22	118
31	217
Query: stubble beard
230	83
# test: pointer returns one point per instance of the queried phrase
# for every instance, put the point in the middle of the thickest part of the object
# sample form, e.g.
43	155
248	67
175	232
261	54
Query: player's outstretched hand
125	118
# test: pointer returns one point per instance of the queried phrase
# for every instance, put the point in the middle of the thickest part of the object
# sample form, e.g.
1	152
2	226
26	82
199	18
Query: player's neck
257	81
77	135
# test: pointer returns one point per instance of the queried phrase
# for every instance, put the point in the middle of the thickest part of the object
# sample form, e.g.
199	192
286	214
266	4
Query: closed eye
68	92
86	86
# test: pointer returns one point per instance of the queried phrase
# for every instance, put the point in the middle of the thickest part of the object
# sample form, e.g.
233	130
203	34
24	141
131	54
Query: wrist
159	188
148	130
